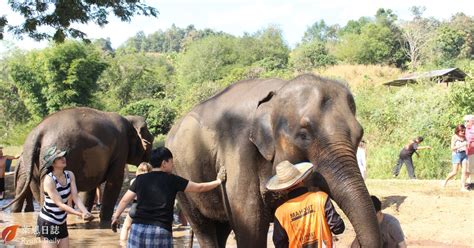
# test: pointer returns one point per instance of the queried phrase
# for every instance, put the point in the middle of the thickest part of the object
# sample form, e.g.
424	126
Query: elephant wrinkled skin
99	145
250	127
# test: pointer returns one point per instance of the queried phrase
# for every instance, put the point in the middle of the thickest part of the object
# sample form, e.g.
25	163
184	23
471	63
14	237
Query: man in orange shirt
307	219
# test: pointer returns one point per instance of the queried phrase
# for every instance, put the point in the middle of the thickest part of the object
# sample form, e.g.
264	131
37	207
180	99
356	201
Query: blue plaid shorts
142	235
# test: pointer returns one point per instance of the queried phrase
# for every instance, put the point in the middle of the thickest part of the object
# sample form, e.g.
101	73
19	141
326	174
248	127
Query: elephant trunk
345	185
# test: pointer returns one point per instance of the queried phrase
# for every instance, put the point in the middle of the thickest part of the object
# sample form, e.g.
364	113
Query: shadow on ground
390	200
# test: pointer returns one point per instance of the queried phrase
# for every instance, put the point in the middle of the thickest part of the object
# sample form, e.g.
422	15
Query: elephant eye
303	134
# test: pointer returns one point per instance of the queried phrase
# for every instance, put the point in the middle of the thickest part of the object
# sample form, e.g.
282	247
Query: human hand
115	223
87	216
222	174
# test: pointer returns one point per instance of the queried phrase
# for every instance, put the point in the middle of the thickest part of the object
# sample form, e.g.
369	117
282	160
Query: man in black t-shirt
156	192
405	157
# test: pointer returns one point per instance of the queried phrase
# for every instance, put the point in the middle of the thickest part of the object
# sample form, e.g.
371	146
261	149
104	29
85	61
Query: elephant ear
261	133
140	139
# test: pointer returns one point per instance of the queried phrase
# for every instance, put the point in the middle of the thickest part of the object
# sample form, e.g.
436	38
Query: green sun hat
51	154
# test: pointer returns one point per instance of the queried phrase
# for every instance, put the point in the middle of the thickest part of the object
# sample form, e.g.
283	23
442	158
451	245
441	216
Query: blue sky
239	16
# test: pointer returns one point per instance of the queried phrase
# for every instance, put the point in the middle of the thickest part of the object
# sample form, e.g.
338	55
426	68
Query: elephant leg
208	232
250	223
88	199
222	231
29	201
113	185
18	205
33	193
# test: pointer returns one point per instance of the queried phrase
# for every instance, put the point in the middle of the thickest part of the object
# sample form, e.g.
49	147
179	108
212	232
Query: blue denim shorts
459	157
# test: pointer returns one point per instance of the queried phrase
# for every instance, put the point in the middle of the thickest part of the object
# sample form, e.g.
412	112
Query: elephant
251	126
99	145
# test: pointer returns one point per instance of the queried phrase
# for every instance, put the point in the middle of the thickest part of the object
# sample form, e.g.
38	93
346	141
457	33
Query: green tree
461	98
26	71
12	110
448	45
60	15
354	27
60	76
207	59
465	24
372	46
159	114
377	42
271	51
105	45
174	39
320	31
310	55
132	77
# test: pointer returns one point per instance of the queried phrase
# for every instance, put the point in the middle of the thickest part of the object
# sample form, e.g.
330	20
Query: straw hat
287	175
51	154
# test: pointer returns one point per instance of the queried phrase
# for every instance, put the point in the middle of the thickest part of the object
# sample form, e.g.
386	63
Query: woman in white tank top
458	151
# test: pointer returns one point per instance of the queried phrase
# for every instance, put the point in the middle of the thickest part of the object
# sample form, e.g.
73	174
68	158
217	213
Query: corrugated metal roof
445	75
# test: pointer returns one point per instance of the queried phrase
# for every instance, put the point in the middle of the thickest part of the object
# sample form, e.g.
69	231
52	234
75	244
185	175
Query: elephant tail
27	161
17	172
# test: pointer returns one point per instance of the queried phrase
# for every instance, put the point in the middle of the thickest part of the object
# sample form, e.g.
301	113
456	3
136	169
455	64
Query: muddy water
81	234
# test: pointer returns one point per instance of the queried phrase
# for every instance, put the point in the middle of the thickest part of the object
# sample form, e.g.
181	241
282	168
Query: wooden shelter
440	76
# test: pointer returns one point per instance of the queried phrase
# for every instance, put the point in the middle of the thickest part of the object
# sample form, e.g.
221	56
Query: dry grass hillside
360	75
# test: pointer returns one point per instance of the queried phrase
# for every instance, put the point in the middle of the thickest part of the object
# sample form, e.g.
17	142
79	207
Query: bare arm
453	142
423	147
75	196
126	199
50	188
11	157
202	187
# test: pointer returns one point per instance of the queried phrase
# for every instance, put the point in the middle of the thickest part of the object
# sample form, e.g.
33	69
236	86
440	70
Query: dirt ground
431	216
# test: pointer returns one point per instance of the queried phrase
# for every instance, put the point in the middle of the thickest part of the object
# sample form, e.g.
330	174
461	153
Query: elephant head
313	119
141	140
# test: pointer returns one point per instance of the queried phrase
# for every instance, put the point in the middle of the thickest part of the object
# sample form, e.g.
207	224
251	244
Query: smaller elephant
99	145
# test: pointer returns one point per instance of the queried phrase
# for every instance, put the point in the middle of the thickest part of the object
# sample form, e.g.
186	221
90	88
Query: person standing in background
4	159
405	157
459	157
362	158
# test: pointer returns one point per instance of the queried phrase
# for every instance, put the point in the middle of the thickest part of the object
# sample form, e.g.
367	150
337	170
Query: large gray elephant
99	145
250	127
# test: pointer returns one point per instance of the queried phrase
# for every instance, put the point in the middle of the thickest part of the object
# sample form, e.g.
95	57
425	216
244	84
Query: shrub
159	114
